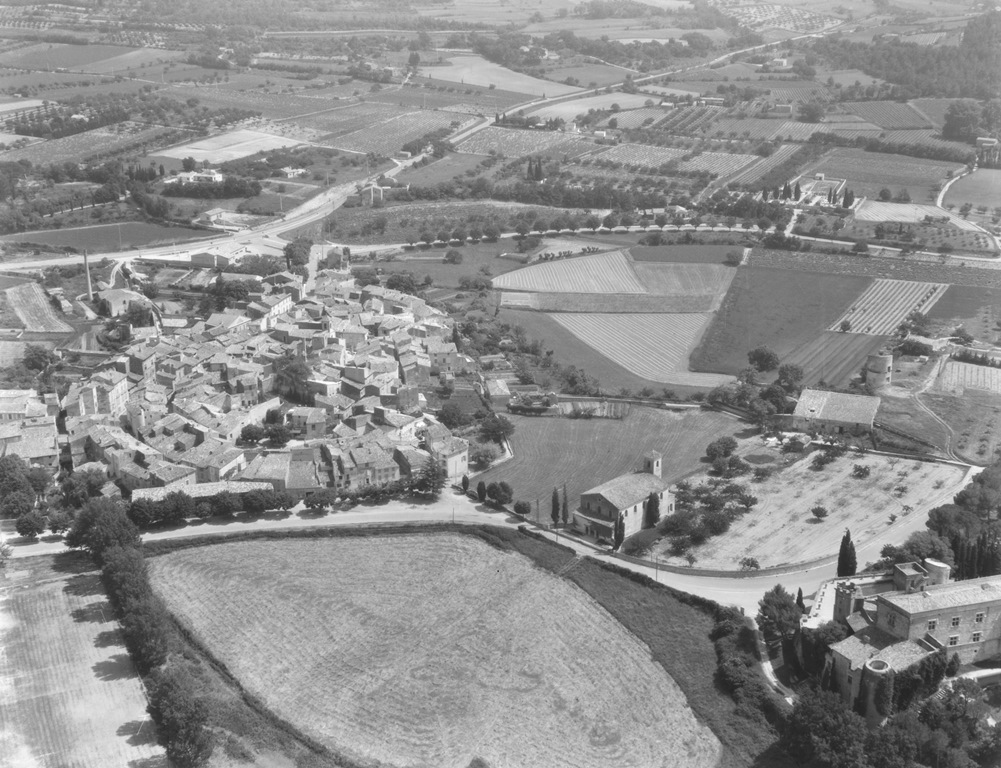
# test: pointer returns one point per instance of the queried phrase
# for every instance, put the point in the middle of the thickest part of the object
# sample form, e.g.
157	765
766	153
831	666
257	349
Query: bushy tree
181	718
721	448
99	526
30	525
253	433
823	732
430	479
496	428
778	614
763	359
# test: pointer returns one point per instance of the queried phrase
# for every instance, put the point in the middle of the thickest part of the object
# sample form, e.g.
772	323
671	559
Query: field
229	146
975	419
641	154
514	143
781	530
681	254
407	674
834	358
569	109
121	137
389	136
976	189
753	172
105	238
584	453
957	377
477	71
652	346
781	308
600	273
876	210
587	74
933	109
888	114
686	279
887	303
637	118
34	309
51	57
442	170
869	172
12	352
68	692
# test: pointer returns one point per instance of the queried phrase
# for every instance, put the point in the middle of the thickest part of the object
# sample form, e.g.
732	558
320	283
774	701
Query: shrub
523	508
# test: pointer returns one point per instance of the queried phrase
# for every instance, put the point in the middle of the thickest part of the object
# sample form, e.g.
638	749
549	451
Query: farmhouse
623	498
901	617
834	413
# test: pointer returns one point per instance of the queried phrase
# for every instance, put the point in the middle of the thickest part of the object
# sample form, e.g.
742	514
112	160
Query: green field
475	257
683	254
583	453
440	171
778	308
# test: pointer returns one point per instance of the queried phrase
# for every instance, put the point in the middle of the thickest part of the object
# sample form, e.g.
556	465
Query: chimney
86	268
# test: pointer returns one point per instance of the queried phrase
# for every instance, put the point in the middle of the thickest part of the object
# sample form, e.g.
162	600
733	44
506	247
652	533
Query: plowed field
33	307
834	358
887	303
957	377
602	273
655	347
432	650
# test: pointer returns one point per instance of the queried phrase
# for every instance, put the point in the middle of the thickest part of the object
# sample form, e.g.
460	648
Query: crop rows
613	303
636	118
718	163
888	114
641	154
793	131
514	143
654	347
665	278
752	173
748	127
767	15
346	119
690	119
933	109
957	377
100	141
834	358
602	273
887	303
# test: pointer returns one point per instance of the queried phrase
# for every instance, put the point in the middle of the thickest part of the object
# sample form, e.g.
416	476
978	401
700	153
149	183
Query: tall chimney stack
86	267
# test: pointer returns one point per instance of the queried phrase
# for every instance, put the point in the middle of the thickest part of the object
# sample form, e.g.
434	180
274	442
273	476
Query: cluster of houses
341	368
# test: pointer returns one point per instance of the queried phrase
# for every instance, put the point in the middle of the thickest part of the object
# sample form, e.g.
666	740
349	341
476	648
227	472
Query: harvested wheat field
653	346
887	303
780	529
432	650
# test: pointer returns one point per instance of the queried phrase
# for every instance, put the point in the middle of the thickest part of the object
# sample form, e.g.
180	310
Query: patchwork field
876	210
408	674
781	308
834	358
477	71
568	110
780	529
584	453
229	146
507	142
389	136
69	694
120	137
600	273
653	346
888	114
869	172
887	303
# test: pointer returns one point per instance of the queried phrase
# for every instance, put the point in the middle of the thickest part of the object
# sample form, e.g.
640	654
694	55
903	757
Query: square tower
653	463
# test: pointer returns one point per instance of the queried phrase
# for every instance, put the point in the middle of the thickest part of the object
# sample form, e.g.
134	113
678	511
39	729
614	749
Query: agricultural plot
478	71
682	254
121	137
601	273
229	146
780	307
687	279
653	346
933	109
868	172
887	303
105	238
12	352
70	695
584	453
475	686
136	59
51	57
513	143
792	131
640	154
34	309
982	188
748	127
613	303
927	137
638	118
975	421
568	110
690	120
780	530
771	16
586	74
888	114
390	135
957	377
834	358
914	213
348	118
720	164
752	172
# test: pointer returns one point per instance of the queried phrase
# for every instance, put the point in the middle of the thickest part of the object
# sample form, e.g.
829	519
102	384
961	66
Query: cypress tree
555	511
797	192
618	533
847	562
481	491
565	510
799	600
652	511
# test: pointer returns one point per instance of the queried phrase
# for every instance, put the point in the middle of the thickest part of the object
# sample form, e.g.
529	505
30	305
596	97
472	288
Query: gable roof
836	406
626	490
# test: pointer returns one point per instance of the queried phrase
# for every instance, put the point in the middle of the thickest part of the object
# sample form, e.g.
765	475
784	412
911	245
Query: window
892	620
953	639
979	618
975	637
955	621
932	625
